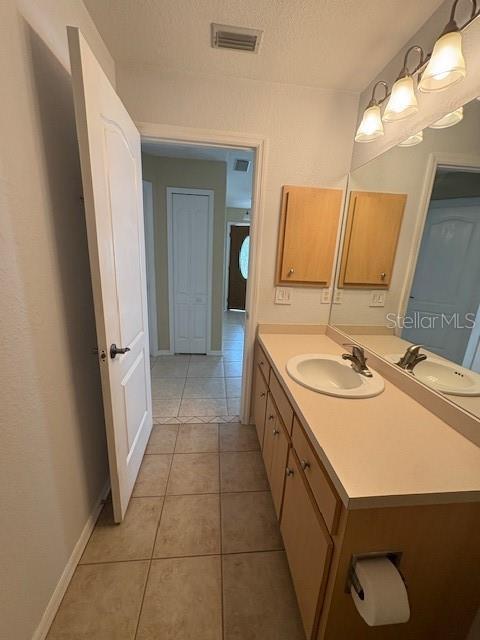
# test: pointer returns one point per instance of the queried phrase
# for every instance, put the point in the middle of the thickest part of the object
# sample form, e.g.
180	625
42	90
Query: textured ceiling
333	44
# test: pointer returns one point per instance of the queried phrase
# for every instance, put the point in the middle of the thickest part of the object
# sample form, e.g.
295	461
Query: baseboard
215	353
163	352
62	585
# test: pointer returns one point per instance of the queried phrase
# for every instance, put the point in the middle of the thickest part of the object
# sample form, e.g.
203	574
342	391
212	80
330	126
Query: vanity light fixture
417	138
449	119
446	65
403	101
440	69
371	126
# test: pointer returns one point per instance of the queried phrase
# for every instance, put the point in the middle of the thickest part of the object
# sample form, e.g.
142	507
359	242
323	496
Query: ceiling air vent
241	165
236	38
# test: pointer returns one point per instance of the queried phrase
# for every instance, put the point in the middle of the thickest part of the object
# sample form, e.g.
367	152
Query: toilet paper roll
385	597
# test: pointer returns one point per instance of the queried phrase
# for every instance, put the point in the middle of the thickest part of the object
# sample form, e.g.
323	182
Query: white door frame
434	161
150	257
171	298
228	228
213	138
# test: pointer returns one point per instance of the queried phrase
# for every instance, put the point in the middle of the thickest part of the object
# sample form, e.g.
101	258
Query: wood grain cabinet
371	238
307	544
440	560
308	232
276	444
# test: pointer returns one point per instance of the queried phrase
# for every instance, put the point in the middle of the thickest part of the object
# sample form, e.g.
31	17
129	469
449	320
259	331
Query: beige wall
52	454
194	174
309	136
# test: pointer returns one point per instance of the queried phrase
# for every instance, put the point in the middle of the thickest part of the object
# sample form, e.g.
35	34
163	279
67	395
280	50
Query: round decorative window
243	257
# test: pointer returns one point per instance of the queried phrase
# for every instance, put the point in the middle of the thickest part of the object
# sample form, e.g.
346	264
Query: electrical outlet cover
326	296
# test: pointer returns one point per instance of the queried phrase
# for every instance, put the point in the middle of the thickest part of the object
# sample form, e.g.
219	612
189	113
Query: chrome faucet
411	357
358	360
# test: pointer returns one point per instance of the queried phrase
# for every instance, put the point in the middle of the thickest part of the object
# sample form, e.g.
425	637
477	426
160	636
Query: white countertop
381	451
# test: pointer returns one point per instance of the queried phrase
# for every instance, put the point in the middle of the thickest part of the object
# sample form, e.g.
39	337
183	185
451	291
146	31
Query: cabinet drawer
307	544
262	362
260	391
283	405
324	494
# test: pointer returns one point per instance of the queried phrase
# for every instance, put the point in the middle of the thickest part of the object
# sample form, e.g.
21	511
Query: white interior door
191	224
112	181
445	286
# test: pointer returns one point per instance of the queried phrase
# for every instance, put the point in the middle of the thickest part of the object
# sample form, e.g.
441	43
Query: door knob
114	350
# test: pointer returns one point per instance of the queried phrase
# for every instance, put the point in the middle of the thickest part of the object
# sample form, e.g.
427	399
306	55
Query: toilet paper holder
352	579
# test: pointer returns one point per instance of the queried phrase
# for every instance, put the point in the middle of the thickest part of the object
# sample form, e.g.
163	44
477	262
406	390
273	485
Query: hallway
199	555
199	388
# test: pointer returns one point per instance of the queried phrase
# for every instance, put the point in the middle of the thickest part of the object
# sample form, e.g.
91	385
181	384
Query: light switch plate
338	296
377	299
282	296
326	296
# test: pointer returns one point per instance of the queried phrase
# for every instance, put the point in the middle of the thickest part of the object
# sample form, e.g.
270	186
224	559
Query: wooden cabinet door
371	238
260	391
268	438
308	232
307	544
278	465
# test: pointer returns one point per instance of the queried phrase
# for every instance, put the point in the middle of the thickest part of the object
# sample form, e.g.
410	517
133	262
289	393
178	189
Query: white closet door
191	227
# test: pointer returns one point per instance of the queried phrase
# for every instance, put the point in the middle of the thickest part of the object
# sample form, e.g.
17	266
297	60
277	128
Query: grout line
154	543
221	536
207	493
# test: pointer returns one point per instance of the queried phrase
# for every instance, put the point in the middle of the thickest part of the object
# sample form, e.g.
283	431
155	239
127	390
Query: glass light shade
402	102
412	140
371	126
449	120
446	65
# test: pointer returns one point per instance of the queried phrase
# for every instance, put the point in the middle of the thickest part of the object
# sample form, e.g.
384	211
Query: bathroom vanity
353	477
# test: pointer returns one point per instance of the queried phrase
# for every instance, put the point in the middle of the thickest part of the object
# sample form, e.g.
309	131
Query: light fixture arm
373	101
452	23
405	70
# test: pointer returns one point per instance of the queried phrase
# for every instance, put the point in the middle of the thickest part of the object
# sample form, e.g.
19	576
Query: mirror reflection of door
445	295
238	266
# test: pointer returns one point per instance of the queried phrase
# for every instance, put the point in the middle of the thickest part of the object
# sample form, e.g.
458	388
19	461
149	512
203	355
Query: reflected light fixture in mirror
417	138
371	126
403	101
449	119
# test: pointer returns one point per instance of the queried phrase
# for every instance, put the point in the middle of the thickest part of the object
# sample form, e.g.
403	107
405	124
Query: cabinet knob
383	275
262	395
289	471
276	432
262	363
305	464
291	271
271	416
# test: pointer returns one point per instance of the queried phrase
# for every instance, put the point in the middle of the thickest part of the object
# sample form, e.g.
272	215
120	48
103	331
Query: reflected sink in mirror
331	375
444	376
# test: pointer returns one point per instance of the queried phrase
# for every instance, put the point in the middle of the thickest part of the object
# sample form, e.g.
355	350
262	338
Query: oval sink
444	376
333	376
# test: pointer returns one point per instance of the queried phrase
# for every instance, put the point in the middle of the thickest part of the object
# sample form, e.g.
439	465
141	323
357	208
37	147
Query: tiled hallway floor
198	388
199	555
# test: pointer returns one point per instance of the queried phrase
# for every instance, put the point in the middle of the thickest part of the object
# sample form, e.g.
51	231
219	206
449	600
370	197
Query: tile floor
196	388
199	555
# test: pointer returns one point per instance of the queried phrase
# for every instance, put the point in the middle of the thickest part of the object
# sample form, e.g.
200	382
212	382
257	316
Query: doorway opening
198	211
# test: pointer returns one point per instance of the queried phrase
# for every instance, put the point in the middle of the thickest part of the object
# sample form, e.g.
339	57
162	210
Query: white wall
53	461
431	105
309	134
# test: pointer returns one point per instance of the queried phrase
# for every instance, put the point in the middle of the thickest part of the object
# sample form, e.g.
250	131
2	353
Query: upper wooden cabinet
371	237
307	237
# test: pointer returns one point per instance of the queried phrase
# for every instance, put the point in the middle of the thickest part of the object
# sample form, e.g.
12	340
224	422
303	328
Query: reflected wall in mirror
409	265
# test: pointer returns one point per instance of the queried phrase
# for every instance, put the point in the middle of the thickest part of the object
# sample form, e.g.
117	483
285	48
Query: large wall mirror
409	263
